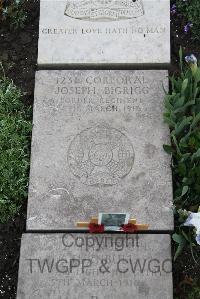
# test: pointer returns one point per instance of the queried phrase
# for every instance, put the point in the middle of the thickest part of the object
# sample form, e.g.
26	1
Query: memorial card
113	221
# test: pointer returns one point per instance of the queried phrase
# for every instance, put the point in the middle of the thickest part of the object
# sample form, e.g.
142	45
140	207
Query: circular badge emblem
100	155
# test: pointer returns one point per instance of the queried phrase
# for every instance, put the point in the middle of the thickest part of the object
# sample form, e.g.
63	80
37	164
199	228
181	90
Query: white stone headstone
74	266
111	32
97	146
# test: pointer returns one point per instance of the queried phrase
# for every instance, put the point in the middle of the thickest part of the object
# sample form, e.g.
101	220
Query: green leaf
180	240
180	127
184	190
184	85
185	157
196	120
168	149
196	155
185	138
181	58
183	108
179	103
176	144
185	236
169	121
182	169
197	75
196	92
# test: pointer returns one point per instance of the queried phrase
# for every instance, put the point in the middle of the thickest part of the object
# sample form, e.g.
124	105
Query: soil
18	52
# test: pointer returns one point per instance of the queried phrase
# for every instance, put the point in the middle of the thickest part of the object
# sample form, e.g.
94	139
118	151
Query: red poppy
129	228
96	228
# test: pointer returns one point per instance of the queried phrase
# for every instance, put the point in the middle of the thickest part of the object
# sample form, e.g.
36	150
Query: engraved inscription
102	10
100	155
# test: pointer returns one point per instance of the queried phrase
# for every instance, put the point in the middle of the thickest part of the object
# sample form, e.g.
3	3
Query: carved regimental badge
100	155
103	10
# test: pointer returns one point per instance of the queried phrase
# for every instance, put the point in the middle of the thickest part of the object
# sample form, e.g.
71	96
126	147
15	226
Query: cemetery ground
18	54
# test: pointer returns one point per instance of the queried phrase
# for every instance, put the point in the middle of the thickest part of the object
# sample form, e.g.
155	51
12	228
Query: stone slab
63	266
97	32
97	146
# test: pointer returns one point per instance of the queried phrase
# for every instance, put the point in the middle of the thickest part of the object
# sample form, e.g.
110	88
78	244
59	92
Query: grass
15	131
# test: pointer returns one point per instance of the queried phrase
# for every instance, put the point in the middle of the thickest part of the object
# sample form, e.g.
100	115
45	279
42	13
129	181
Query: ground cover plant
182	114
13	13
190	9
15	130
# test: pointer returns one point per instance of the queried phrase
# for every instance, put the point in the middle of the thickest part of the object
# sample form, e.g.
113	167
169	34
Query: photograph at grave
106	266
113	32
97	146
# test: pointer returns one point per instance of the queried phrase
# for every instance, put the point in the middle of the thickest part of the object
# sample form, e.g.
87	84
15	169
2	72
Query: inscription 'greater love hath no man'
151	29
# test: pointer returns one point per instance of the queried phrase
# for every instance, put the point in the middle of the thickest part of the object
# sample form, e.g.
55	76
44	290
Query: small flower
173	9
187	27
194	220
191	59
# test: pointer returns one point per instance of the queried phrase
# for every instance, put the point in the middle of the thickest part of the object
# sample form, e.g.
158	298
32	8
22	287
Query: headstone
97	146
74	266
107	32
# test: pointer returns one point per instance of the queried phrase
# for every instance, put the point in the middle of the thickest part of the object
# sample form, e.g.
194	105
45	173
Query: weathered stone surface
55	266
98	147
77	32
